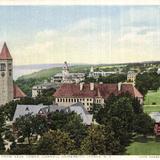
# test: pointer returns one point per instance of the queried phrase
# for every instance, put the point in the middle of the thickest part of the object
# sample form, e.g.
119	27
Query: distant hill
47	73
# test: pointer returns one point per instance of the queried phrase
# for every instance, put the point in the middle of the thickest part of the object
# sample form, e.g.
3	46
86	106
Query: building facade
131	76
89	94
98	74
8	90
67	77
38	89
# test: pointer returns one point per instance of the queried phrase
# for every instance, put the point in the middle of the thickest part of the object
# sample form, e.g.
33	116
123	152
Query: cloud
106	39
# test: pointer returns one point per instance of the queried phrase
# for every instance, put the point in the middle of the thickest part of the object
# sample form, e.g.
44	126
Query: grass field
144	146
152	97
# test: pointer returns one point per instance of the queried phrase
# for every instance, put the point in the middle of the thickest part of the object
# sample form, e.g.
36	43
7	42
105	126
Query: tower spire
5	54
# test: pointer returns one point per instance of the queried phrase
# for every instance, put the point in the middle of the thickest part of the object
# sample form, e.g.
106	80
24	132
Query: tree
9	110
68	122
24	126
143	124
2	147
137	107
95	109
2	120
29	124
117	115
94	142
55	143
147	81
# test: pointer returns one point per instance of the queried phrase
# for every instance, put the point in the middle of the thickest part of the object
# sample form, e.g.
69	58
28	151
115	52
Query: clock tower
6	76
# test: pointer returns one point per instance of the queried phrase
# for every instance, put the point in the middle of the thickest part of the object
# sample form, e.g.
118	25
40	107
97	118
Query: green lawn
152	97
151	108
143	146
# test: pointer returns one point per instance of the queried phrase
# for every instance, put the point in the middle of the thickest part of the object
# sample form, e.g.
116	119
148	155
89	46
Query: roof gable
18	93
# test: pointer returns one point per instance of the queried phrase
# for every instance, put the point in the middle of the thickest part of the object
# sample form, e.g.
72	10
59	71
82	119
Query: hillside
47	73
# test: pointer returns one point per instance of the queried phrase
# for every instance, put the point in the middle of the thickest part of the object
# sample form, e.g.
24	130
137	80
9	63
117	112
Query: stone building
89	94
131	76
97	74
67	77
8	90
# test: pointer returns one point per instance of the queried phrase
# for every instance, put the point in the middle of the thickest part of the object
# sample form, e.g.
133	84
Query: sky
81	34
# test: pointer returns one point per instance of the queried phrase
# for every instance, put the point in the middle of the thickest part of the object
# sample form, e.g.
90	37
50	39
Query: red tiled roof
18	93
5	54
104	90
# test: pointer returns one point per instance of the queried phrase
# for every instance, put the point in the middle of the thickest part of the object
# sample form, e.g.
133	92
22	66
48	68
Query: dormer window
27	109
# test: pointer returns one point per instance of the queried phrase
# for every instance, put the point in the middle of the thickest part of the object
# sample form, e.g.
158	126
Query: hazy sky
81	34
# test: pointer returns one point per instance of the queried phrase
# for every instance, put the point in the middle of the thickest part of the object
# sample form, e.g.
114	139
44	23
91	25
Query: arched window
2	67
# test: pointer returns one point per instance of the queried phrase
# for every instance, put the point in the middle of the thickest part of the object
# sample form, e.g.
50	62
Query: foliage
95	109
20	149
2	147
137	107
9	136
9	110
55	143
68	122
2	119
27	84
94	142
147	81
28	125
143	124
117	116
113	78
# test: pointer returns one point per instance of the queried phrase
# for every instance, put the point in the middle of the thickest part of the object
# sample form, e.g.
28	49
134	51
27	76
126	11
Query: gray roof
155	116
81	110
78	108
22	110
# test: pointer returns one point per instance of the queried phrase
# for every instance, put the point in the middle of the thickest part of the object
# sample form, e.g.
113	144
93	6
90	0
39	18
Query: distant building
131	76
44	110
97	74
88	94
156	117
67	77
38	89
8	90
158	71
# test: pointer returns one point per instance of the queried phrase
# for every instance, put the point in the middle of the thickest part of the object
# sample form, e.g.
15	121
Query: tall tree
94	142
55	143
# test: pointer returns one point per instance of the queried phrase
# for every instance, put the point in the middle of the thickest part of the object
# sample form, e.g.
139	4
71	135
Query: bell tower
6	76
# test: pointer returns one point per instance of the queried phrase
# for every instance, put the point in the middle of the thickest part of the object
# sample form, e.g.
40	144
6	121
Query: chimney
91	86
81	86
119	86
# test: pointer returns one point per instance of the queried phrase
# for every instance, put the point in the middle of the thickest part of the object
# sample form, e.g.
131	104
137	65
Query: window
74	100
10	72
10	65
69	100
27	109
2	67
